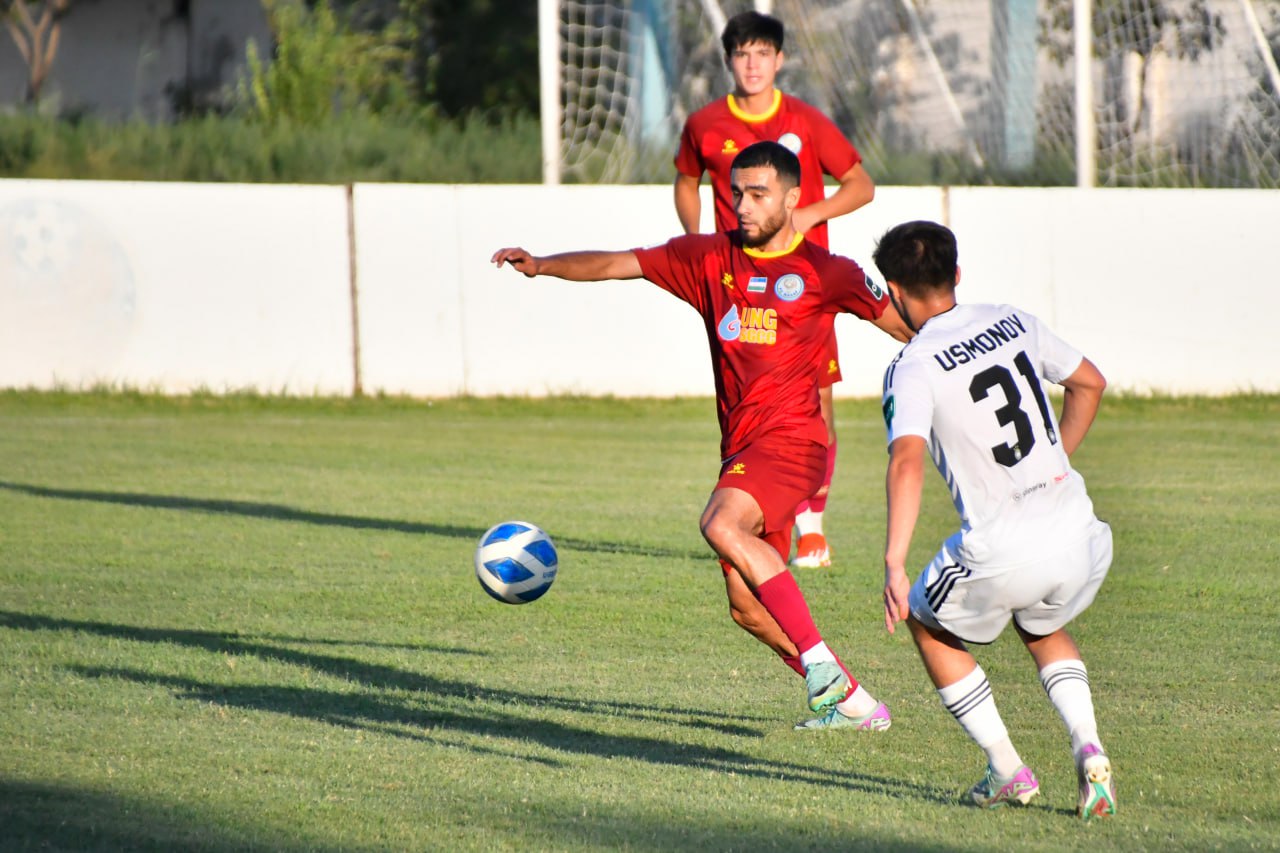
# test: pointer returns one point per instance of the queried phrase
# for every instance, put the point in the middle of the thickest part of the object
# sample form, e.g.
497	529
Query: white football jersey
970	384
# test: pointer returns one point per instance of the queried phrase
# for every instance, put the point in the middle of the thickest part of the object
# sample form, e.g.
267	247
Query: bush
234	149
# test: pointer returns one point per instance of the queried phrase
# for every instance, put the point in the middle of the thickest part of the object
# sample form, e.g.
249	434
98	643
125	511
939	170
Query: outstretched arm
856	189
904	481
688	202
572	266
1083	394
891	323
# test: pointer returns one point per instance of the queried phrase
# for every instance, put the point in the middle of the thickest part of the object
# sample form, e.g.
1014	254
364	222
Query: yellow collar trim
755	118
756	253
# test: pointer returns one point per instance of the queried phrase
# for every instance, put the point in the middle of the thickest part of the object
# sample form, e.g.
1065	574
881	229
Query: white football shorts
976	604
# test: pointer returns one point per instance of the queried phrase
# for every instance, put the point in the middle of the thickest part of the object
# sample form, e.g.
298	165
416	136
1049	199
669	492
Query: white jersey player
967	391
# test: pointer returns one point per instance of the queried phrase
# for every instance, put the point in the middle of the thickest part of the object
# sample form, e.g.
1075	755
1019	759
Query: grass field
233	623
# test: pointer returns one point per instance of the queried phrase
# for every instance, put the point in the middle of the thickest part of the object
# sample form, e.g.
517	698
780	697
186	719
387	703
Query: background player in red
713	136
763	292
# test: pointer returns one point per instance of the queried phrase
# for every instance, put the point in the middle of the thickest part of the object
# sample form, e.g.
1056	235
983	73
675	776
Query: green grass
251	622
215	149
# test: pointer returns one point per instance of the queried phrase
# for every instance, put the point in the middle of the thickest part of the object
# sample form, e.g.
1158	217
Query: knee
715	530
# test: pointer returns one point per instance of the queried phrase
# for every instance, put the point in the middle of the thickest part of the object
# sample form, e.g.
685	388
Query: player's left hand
897	590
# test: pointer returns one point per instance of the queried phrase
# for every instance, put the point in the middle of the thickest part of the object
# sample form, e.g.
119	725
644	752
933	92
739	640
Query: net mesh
1186	92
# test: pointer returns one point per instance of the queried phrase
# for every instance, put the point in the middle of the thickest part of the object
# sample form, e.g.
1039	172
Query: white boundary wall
174	287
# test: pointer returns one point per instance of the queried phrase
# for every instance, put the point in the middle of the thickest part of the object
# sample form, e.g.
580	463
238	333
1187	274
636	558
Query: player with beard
763	293
757	110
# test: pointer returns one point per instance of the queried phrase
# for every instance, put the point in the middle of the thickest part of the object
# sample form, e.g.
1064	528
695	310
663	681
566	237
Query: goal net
1185	92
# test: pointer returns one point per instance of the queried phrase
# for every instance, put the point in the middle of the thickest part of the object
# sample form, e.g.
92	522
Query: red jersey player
763	293
712	138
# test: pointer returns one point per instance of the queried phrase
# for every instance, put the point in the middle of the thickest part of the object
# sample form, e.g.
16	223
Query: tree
1133	27
36	36
321	67
481	55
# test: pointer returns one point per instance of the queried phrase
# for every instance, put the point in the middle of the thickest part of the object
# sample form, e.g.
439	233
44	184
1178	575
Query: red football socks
781	596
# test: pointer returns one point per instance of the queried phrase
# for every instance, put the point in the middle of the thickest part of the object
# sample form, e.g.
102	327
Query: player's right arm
572	266
904	481
688	202
1083	394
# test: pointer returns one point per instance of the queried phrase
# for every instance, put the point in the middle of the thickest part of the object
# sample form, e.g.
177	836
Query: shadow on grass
418	719
432	705
50	816
282	512
46	816
367	674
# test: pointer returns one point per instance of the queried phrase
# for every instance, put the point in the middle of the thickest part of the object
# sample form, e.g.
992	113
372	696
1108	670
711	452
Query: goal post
1167	92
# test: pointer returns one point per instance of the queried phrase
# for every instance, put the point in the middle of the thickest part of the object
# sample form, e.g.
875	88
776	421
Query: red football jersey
715	134
764	315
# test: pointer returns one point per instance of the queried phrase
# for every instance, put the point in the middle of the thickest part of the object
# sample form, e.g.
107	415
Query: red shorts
779	471
829	361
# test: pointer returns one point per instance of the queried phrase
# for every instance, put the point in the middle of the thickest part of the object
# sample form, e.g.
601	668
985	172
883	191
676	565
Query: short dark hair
751	27
917	256
771	154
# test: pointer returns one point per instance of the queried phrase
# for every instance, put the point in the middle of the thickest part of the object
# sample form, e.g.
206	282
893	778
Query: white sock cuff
820	652
1063	672
808	521
963	687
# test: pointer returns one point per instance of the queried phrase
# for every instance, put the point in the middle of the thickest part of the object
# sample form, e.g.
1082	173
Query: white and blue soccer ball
516	562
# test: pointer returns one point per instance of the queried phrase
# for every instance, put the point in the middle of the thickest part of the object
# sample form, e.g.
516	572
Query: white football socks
969	700
808	521
1067	685
817	653
857	704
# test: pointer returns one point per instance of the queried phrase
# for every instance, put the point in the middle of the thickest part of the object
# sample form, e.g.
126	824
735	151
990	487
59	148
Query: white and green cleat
876	721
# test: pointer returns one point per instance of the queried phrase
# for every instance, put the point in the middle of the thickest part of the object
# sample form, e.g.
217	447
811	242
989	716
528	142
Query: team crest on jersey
876	290
757	284
791	142
789	287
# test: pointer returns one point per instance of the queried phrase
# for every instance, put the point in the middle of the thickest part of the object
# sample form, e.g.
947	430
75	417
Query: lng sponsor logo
757	284
789	287
791	142
752	326
876	290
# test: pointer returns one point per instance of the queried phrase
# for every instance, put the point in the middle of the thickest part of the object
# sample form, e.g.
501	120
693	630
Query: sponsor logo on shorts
789	287
751	326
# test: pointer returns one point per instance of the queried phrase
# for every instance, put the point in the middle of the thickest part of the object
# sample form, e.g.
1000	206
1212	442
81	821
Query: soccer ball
516	562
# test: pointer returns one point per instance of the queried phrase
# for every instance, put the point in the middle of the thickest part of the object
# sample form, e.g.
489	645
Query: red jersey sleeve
845	287
689	156
835	152
677	266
